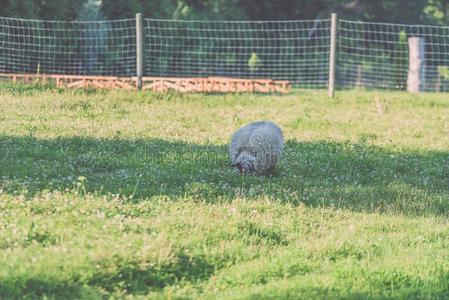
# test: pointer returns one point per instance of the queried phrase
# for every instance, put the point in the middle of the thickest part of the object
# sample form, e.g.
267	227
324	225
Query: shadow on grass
358	177
35	288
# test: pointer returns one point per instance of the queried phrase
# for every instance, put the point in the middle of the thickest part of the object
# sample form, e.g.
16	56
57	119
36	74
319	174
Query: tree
117	9
173	9
18	8
42	9
395	11
438	11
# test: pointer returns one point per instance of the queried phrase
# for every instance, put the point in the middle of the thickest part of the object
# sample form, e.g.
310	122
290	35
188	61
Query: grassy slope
358	207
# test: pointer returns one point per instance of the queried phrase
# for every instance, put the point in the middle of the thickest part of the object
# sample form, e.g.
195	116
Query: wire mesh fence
369	55
297	51
70	48
376	55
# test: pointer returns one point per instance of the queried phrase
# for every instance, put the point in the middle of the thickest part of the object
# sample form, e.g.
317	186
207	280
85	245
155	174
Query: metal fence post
139	50
332	55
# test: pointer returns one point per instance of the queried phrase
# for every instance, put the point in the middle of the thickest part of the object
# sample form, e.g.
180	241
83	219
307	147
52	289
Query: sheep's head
246	163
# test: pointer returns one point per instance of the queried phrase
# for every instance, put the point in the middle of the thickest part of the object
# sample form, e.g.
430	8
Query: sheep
256	148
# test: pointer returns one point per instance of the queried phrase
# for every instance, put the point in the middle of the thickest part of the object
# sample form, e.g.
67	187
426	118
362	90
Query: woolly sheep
256	147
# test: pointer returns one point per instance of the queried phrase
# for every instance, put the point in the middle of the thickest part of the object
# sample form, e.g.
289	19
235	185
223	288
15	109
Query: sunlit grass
130	194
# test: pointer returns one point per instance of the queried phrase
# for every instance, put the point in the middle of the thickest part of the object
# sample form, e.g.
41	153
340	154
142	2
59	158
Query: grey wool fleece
256	147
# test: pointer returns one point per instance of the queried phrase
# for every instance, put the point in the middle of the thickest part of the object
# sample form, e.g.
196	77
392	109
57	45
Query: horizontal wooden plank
181	84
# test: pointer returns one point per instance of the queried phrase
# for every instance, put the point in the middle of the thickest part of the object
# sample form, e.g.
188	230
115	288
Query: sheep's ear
235	165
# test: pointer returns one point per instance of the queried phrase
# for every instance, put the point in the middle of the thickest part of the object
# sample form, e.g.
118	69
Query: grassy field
130	195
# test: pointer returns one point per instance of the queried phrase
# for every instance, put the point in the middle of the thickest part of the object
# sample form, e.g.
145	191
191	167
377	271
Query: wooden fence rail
159	84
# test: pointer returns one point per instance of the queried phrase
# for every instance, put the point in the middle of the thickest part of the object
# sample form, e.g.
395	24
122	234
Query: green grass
130	195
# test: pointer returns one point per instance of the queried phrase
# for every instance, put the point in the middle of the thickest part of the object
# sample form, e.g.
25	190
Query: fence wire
293	50
369	55
72	48
375	55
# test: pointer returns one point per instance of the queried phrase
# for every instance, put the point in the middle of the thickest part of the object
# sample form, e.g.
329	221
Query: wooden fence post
332	56
139	50
416	65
